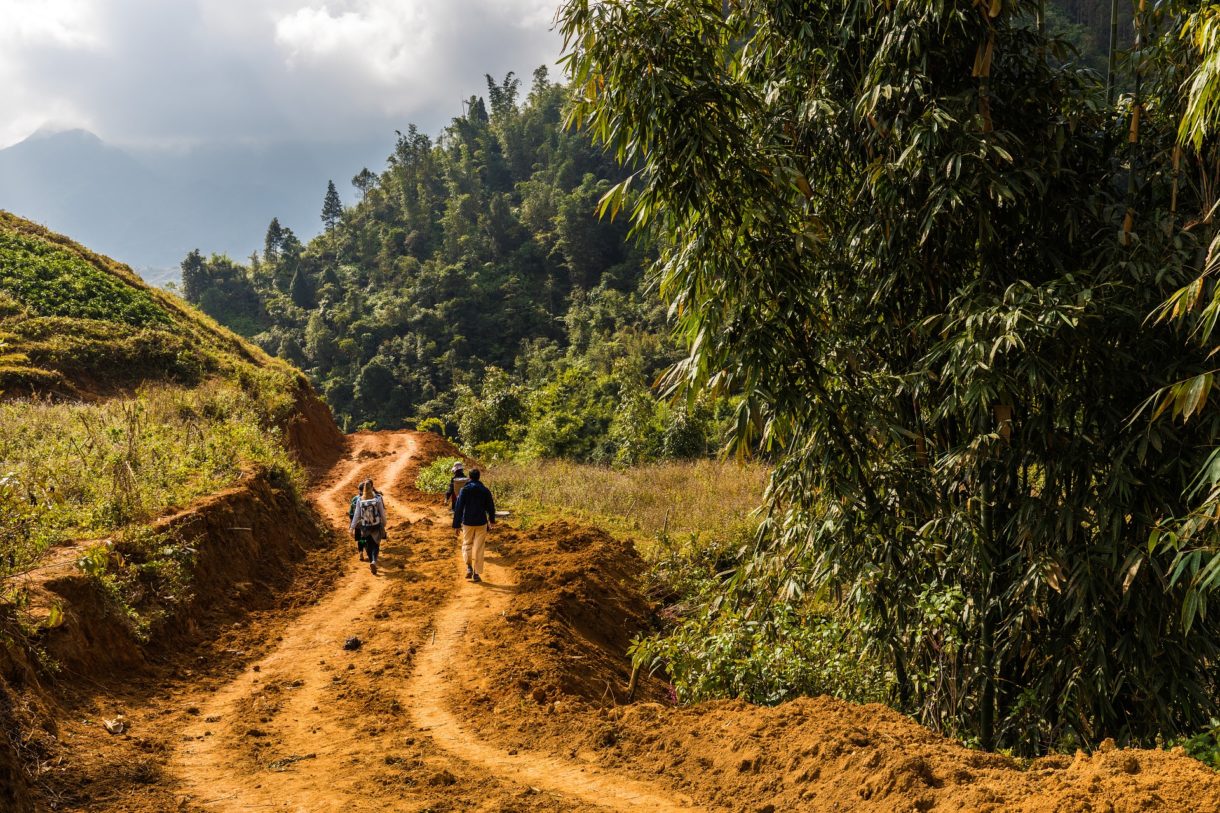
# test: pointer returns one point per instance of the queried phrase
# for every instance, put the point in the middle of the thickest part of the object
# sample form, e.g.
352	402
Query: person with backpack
456	483
351	511
368	522
474	513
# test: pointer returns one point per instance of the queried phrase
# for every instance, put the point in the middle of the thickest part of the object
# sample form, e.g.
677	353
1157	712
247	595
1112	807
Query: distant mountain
149	207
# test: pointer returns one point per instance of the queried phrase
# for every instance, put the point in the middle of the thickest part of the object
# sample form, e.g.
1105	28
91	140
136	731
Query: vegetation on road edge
695	522
928	277
81	470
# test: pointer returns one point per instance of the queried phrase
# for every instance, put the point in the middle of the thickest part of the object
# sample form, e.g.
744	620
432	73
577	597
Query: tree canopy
474	270
921	249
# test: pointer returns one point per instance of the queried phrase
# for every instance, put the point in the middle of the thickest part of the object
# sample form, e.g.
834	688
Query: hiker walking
474	512
351	512
456	483
368	522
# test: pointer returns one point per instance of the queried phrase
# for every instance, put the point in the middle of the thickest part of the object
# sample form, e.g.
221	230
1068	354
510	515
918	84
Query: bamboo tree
918	227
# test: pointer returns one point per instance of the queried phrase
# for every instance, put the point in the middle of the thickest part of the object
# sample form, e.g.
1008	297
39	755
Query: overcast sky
180	72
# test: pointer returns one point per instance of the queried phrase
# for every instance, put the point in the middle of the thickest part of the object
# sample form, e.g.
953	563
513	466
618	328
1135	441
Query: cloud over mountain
158	72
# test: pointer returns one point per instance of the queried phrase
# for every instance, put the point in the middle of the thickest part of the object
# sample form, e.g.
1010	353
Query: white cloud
40	27
381	43
69	23
410	52
171	71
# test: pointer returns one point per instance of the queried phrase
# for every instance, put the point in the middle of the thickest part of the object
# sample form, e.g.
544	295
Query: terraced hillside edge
151	473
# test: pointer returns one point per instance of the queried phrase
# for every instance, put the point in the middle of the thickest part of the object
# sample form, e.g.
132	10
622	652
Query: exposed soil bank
249	540
509	695
549	672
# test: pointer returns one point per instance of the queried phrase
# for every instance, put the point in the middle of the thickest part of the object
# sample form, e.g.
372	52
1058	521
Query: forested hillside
473	265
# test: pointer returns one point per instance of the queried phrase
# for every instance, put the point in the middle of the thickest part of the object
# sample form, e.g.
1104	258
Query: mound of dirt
556	659
821	754
554	662
572	617
311	432
246	541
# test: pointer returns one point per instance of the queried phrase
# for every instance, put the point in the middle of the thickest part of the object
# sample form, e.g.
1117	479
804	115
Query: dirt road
313	727
510	696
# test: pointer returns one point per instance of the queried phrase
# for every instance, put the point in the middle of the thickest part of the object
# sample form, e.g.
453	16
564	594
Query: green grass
434	478
696	501
77	470
51	280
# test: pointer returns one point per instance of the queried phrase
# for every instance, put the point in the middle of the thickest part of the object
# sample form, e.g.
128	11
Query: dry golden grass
692	500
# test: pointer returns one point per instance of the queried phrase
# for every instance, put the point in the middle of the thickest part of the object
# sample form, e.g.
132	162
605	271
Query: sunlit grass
76	470
697	500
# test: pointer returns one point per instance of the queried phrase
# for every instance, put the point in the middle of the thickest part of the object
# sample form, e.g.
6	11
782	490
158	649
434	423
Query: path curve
426	694
288	704
206	762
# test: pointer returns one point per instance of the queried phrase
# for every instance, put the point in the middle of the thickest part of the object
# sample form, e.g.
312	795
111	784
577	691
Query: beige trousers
474	542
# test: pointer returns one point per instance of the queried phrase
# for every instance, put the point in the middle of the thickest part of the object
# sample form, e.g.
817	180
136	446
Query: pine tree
301	290
332	207
273	241
194	277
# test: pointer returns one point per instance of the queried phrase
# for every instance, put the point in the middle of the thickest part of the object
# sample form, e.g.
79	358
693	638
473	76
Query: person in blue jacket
474	513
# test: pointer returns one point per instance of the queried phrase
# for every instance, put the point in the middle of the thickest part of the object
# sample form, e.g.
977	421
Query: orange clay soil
511	696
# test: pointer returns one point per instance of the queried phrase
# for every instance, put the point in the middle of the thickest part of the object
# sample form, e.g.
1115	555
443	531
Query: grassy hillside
120	402
76	323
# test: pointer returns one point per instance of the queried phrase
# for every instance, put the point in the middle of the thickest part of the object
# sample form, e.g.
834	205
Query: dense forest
965	293
473	283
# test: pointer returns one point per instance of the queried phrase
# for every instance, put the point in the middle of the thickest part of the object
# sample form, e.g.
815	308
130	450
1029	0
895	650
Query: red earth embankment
552	669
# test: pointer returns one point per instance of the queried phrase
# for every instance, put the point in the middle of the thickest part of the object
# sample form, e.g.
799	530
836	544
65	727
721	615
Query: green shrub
1204	746
434	425
769	653
145	573
434	477
27	529
718	653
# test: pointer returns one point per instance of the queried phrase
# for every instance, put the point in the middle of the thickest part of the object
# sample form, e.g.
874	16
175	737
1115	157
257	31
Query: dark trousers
369	539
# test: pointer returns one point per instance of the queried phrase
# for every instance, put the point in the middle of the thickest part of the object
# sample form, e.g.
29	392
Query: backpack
368	513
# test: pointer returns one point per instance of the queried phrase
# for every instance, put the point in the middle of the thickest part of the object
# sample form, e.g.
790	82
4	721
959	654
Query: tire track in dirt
211	765
426	697
296	730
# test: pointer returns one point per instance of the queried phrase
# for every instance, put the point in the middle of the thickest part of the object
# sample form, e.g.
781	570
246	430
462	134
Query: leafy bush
145	573
719	652
27	529
434	477
1204	746
434	425
716	649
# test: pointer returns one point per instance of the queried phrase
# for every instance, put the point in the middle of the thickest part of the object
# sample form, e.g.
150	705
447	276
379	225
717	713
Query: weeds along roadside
693	521
104	470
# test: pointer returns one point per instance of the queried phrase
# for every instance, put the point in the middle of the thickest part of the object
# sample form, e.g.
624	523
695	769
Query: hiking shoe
373	567
475	578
